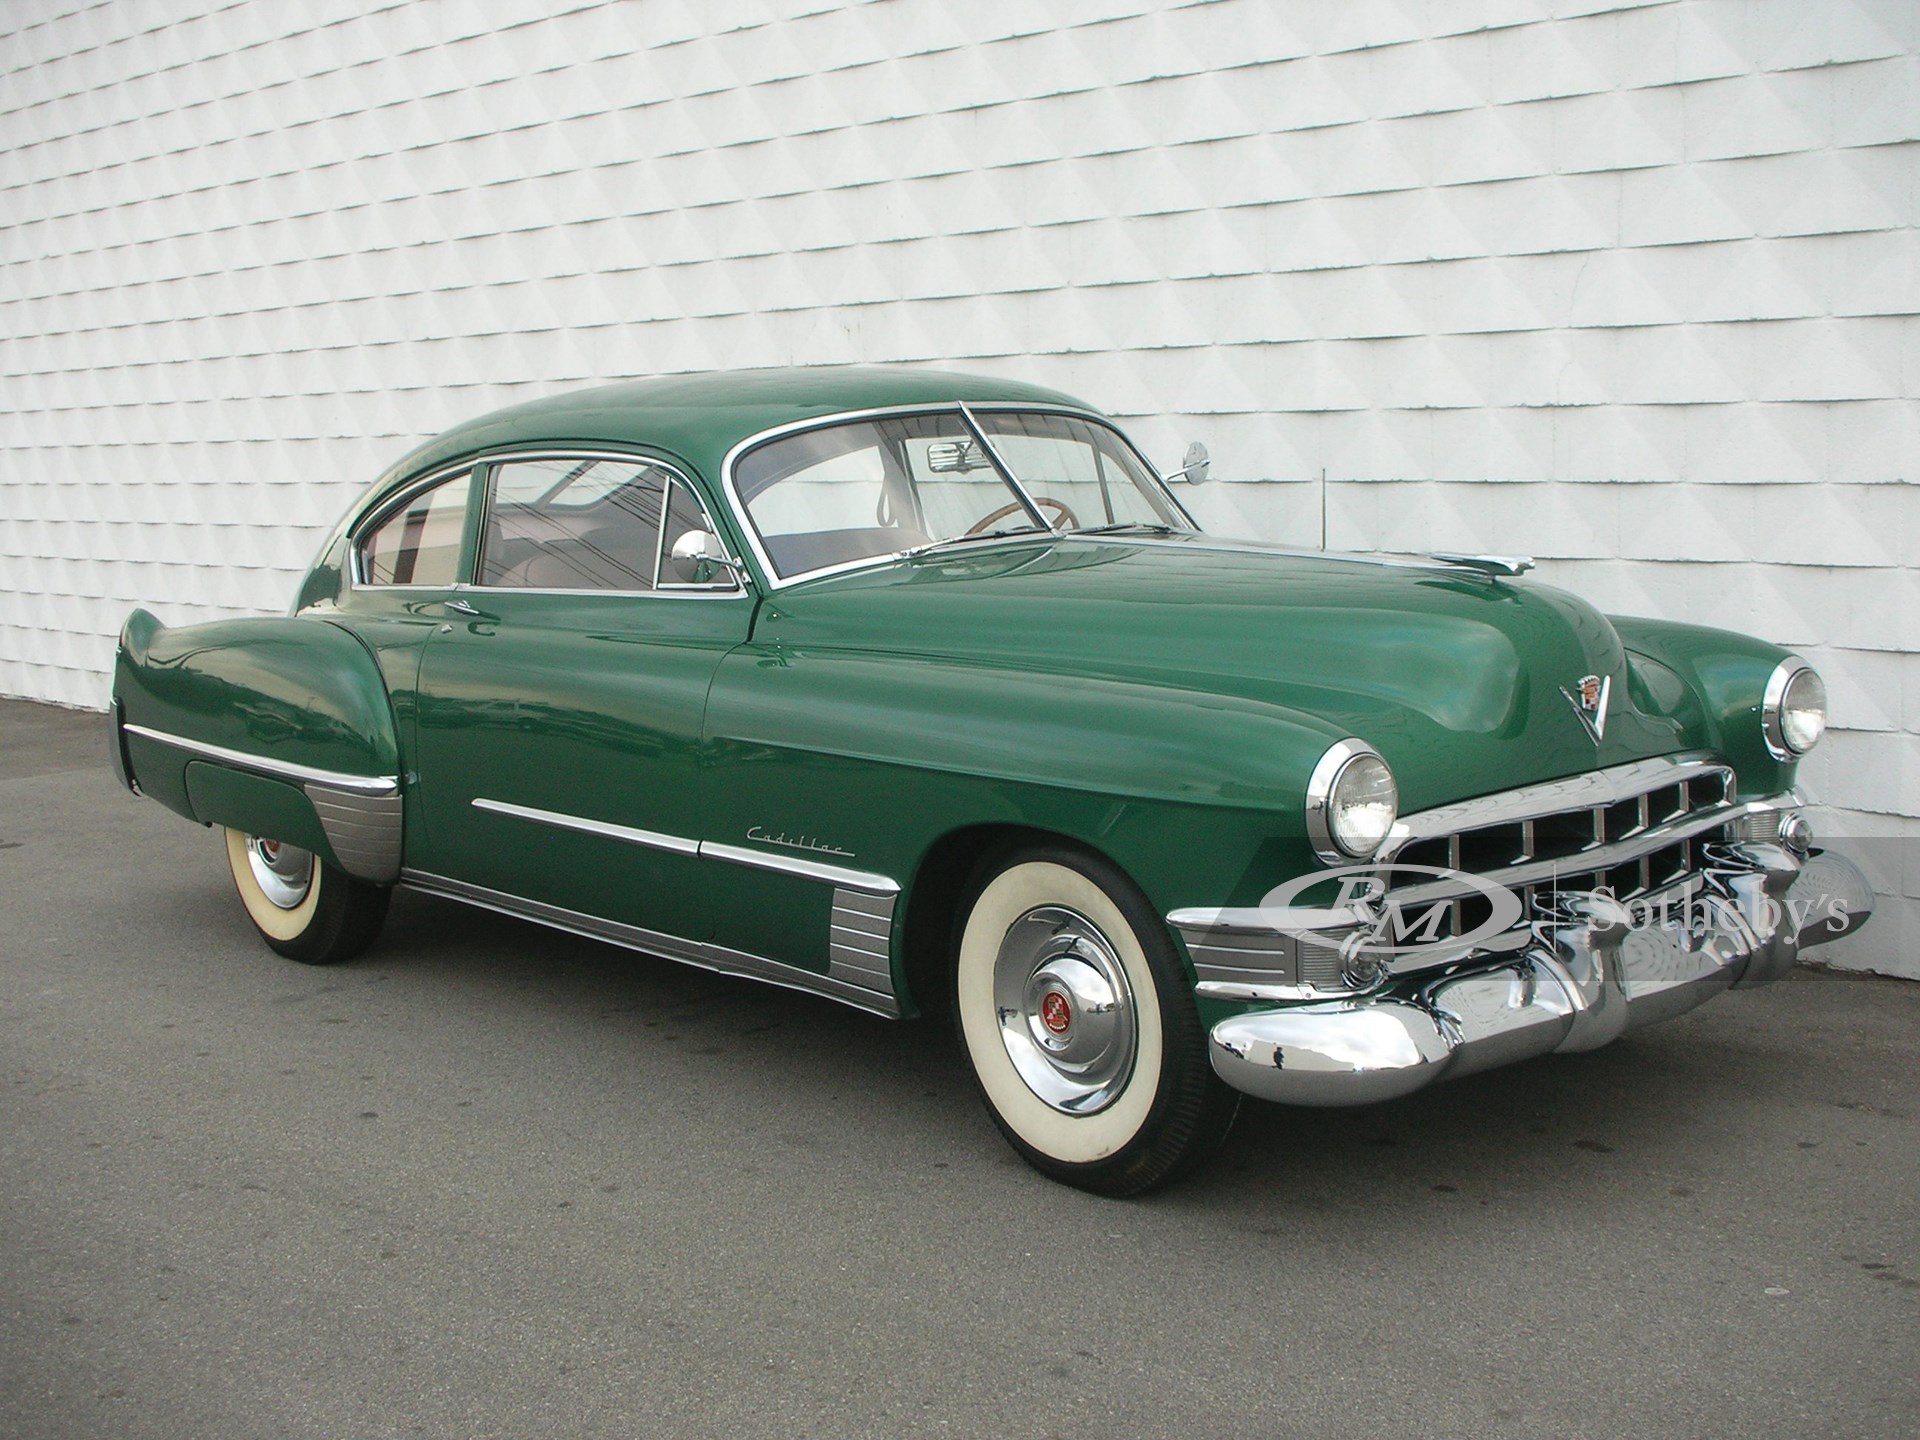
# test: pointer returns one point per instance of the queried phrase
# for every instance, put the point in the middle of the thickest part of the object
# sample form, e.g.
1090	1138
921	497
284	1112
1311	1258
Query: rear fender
278	727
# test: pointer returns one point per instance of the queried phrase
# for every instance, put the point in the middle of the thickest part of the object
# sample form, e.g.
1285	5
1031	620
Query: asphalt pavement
494	1181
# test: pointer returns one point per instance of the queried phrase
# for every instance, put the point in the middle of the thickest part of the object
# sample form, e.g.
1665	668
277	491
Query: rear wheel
1081	1028
305	908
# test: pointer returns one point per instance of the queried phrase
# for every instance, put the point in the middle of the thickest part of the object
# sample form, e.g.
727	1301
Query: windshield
862	489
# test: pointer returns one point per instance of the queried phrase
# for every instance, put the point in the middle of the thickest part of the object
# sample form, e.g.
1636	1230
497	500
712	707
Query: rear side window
573	525
419	544
577	523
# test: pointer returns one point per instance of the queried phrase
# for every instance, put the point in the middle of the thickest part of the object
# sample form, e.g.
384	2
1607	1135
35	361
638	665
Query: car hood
1463	682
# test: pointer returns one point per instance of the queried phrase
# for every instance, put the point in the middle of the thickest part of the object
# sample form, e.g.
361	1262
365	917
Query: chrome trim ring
1773	703
1320	788
1065	1009
283	872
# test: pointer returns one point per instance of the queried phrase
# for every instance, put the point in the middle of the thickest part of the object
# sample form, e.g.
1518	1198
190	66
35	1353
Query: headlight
1793	712
1352	802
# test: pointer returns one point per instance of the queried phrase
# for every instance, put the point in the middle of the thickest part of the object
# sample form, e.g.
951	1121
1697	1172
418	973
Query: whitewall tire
303	907
1080	1026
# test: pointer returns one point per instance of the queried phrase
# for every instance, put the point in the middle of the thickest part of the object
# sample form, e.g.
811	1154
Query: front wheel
1075	1013
305	908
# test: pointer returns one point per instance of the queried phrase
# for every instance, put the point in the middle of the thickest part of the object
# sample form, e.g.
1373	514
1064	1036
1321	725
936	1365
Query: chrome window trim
666	592
276	769
1105	422
375	516
1011	480
678	588
1773	702
730	492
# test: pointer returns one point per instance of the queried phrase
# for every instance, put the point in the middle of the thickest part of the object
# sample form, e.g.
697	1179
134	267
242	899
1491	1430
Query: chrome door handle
461	607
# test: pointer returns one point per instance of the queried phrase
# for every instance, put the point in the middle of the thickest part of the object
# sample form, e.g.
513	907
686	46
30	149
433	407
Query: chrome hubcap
1065	1010
284	873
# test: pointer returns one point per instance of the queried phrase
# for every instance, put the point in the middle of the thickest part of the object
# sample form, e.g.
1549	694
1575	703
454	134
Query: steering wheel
1015	507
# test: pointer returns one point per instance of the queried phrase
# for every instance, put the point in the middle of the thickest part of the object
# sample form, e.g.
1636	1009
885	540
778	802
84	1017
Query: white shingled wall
1631	287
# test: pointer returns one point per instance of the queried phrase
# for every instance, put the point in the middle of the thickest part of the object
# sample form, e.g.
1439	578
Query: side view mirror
1195	465
700	556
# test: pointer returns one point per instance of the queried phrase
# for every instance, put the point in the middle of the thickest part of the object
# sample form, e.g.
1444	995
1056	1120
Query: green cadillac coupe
925	692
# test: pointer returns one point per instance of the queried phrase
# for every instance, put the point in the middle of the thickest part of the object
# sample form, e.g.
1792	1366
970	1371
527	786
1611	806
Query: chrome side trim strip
277	769
650	839
864	881
700	953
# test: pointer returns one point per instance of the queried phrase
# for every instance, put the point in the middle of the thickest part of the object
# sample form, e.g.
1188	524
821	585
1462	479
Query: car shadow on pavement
1649	1119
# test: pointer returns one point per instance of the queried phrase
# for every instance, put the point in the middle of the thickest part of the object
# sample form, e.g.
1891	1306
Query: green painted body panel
1159	701
296	691
1722	676
586	705
257	805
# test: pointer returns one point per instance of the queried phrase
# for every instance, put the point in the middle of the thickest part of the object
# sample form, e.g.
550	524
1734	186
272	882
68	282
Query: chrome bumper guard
1576	975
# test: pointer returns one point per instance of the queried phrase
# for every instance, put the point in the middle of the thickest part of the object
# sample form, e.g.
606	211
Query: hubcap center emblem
1055	1013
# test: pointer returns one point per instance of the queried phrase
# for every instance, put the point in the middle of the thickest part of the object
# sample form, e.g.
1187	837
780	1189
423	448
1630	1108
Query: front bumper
1576	974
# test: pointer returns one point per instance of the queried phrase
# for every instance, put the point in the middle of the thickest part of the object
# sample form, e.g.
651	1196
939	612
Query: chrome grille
1565	835
1634	830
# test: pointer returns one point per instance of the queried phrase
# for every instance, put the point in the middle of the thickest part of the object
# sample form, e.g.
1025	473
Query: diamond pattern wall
1632	286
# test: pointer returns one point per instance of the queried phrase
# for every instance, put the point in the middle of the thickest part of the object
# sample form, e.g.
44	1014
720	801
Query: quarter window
419	544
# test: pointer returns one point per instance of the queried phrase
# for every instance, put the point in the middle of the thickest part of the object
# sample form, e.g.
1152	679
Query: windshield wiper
1118	526
970	538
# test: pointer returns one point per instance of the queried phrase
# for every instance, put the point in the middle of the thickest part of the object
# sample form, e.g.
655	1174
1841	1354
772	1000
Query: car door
561	700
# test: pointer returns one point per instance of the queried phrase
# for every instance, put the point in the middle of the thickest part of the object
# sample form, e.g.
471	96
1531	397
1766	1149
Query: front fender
1712	682
882	756
278	727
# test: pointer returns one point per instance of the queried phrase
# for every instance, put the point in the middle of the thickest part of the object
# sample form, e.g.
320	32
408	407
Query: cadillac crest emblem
1590	703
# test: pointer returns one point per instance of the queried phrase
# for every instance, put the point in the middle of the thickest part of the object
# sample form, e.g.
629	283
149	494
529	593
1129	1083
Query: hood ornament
1590	703
1494	567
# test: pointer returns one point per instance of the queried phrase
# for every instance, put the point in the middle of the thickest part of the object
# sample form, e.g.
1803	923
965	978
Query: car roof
699	418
